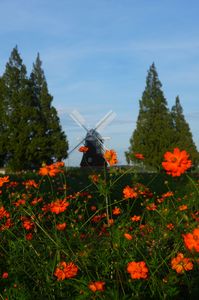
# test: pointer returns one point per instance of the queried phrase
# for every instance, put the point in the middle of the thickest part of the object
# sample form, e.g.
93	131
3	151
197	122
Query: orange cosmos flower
137	270
29	236
95	178
3	180
51	170
139	156
170	226
28	225
110	222
36	200
116	211
4	213
83	149
59	206
59	272
8	223
97	218
182	207
97	286
111	157
191	240
128	236
128	192
30	183
176	163
135	218
181	264
19	202
65	270
61	227
43	171
58	164
167	195
151	206
13	184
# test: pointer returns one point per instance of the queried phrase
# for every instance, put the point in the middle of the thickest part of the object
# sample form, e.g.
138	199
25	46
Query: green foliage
100	250
153	135
3	135
183	136
30	130
48	142
18	111
158	130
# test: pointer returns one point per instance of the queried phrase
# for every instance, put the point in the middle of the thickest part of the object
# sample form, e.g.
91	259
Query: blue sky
96	54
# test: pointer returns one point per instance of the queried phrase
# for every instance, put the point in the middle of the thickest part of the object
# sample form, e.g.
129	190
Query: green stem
197	190
128	171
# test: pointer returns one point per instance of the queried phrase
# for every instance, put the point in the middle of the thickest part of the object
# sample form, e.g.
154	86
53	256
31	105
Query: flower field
100	234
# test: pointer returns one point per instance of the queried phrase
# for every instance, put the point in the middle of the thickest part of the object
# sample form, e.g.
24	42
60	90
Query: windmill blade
105	120
76	146
77	117
101	143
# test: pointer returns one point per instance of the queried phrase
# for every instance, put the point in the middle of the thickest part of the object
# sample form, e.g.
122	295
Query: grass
105	231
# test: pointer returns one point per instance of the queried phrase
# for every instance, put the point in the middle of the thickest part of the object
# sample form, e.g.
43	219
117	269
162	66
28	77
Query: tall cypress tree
18	111
153	135
49	142
3	138
183	136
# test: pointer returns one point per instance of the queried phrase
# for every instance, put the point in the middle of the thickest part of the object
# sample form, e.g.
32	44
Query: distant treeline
31	133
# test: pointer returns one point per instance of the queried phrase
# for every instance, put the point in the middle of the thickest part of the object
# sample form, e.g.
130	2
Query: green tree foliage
31	131
3	138
17	100
49	142
153	135
183	137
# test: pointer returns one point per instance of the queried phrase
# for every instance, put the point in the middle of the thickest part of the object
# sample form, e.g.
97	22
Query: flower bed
59	242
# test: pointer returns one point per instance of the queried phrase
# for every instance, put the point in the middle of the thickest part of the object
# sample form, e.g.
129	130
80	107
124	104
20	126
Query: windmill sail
78	118
93	140
80	143
105	121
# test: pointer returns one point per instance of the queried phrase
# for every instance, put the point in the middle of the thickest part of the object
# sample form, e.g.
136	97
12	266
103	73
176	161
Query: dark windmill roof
93	136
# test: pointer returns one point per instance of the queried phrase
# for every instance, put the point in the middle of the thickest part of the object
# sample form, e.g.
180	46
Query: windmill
93	141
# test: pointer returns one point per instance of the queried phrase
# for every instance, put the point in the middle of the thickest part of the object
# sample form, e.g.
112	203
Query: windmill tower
93	141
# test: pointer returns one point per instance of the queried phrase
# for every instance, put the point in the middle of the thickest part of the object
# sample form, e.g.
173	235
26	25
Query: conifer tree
18	111
183	138
3	138
49	142
153	135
